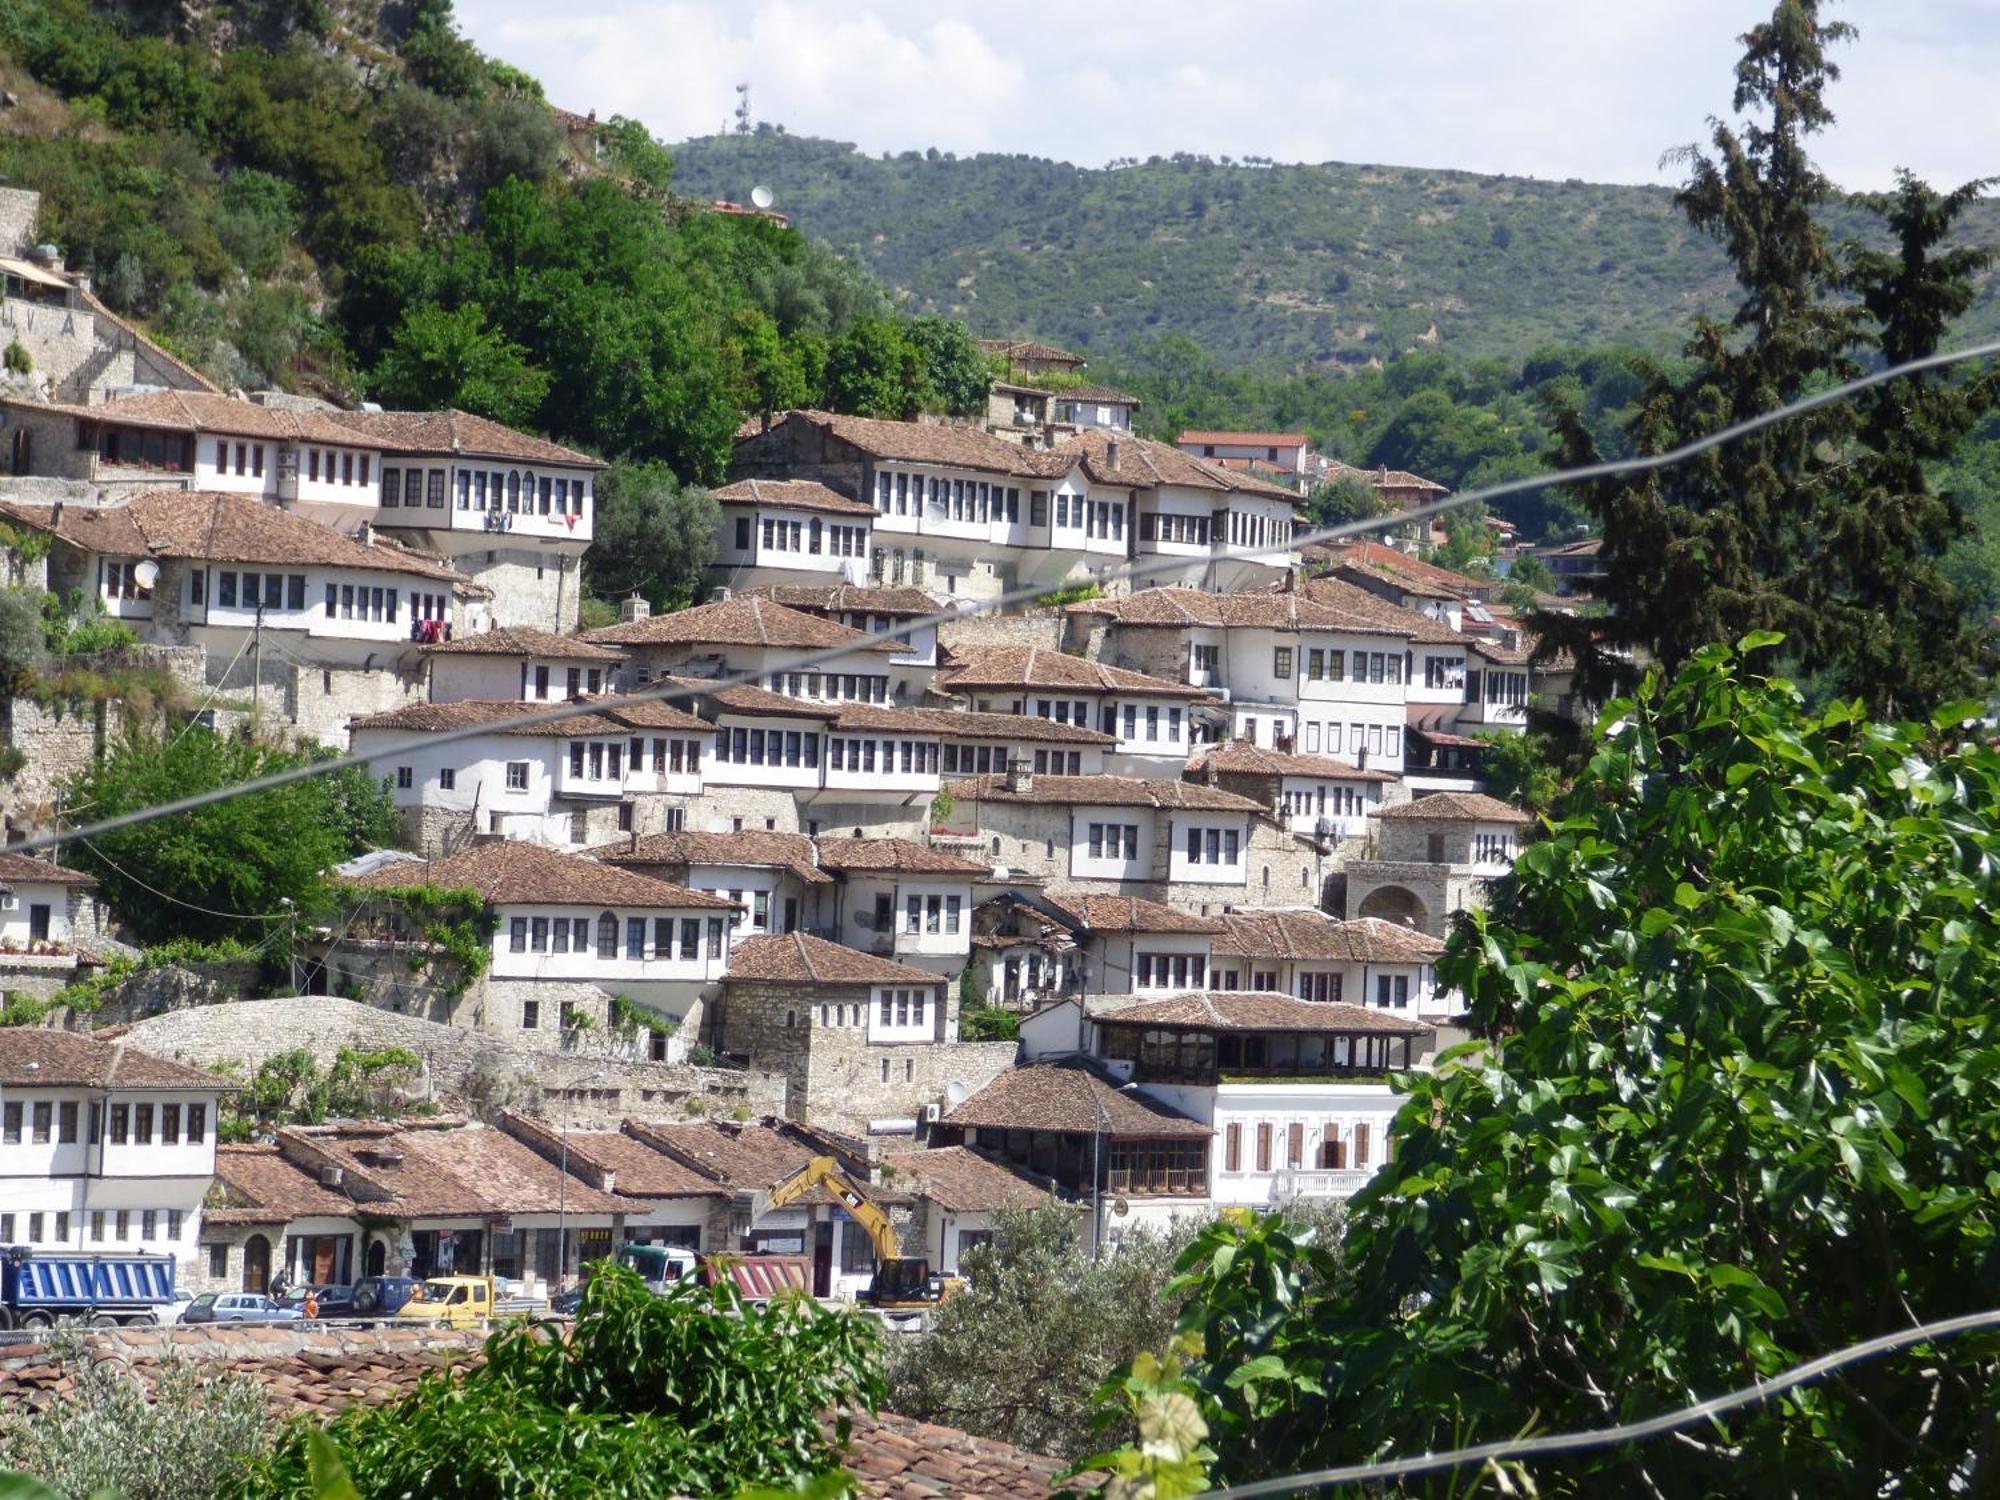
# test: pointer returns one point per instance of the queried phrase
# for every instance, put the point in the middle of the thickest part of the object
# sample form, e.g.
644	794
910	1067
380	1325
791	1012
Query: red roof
1246	439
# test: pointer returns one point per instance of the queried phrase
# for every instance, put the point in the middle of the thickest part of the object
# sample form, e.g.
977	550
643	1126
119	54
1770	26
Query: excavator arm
824	1171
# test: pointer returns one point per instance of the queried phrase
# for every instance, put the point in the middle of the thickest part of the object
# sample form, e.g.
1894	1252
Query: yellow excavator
901	1282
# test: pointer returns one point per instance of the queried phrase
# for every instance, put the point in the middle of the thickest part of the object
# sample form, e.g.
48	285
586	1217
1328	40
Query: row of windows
1155	716
671	938
1323	801
1170	527
773	747
607	760
1180	971
1375	739
121	1222
1097	518
58	1222
1492	848
286	591
1447	672
579	680
411	488
1213	846
146	446
812	537
1374	667
1333	1154
316	461
902	1007
47	1120
1506	689
1247	530
829	687
1114	841
918	757
1064	711
955	499
932	914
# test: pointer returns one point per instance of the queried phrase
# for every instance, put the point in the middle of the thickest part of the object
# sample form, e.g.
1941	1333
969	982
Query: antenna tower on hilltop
742	109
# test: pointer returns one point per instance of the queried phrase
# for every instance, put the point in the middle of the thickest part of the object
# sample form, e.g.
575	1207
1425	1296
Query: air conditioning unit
928	1115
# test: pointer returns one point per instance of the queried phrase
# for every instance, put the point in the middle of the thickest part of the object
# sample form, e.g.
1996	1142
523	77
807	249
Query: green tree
1825	526
875	370
690	1393
242	857
654	536
1348	498
451	358
1530	572
1729	1112
957	377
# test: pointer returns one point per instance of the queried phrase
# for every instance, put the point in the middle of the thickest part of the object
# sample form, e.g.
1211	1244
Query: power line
124	874
1626	1432
1134	569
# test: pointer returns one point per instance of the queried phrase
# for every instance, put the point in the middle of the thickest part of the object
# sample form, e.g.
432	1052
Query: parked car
237	1307
332	1301
379	1296
171	1313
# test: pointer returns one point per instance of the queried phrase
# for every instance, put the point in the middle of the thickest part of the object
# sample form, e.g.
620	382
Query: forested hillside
348	198
1260	263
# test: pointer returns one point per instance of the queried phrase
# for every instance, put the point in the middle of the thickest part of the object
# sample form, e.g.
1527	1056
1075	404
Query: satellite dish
147	572
762	196
955	1094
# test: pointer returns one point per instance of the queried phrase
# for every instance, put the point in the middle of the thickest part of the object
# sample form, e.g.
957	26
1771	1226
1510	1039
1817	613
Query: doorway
823	1258
378	1257
256	1264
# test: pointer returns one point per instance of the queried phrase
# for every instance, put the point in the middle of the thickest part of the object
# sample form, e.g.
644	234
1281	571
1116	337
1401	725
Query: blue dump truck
36	1289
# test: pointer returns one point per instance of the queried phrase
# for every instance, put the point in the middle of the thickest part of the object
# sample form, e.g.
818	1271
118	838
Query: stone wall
19	208
1440	889
59	742
1035	627
482	1072
537	590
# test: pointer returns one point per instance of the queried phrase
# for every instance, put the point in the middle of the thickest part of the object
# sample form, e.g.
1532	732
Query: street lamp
562	1180
1101	1121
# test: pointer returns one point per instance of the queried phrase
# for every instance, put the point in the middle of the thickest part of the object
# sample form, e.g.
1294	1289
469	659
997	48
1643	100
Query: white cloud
1553	88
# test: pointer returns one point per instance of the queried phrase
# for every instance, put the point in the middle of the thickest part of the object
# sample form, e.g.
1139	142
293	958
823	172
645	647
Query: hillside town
1126	896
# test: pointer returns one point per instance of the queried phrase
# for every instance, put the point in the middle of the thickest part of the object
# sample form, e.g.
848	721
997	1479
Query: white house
871	607
756	637
1312	956
773	879
1132	946
904	900
103	1148
510	510
564	918
516	661
46	911
792	531
572	781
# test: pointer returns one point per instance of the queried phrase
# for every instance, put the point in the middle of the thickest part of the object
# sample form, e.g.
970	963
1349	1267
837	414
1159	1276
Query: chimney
720	595
1020	778
632	842
634	608
1111	452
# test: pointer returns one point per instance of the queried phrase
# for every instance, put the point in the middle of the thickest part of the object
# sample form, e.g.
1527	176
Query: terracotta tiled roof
210	411
1039	667
1383	479
1245	439
756	702
1105	791
220	528
1108	394
1029	349
800	958
1258	1010
739	622
508	872
745	1157
1315	935
612	1161
255	1184
916	442
1519	654
966	724
896	856
757	847
320	1373
459	432
1411	574
451	1170
21	869
894	720
35	1057
961	1181
1468	807
1179	608
843	598
1241	758
1363	607
791	494
592	716
1131	914
521	640
1073	1097
1144	464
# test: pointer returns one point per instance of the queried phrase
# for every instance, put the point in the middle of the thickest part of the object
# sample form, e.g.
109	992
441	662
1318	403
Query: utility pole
1097	1180
257	665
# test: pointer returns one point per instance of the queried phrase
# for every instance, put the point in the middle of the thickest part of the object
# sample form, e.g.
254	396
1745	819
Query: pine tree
1824	526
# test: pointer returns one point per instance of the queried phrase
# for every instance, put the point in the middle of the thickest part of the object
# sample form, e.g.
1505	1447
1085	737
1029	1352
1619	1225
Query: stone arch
256	1264
1398	904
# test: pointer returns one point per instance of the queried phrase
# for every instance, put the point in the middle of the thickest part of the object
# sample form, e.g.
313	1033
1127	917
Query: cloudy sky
1552	88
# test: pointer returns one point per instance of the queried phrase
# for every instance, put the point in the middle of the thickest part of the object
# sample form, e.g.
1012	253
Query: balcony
1329	1183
